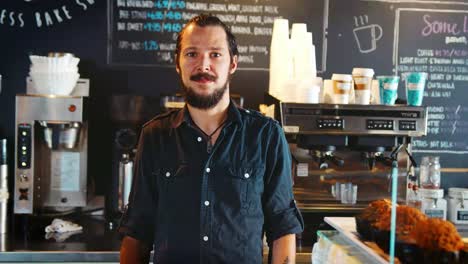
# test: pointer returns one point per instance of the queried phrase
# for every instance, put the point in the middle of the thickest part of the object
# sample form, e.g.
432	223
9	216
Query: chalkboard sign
143	33
436	41
390	36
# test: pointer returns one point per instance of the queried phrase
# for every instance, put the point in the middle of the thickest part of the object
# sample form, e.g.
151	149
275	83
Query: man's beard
203	102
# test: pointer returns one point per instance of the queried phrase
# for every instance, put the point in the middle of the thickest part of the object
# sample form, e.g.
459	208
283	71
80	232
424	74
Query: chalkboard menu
144	33
435	41
390	36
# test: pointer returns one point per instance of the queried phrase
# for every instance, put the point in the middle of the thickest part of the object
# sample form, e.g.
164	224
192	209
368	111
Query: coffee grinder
51	149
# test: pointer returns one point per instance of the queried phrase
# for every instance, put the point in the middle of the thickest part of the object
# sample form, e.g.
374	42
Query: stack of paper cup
308	91
362	78
327	92
281	66
341	88
303	52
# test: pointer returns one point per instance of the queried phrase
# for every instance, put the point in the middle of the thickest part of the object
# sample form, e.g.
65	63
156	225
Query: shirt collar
183	115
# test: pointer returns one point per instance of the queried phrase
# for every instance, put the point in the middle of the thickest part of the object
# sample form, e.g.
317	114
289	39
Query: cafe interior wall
85	35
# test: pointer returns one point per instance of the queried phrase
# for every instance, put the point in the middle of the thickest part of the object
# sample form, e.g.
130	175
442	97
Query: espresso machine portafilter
50	153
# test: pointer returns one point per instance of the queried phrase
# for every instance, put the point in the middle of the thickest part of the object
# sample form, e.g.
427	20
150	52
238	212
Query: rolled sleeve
281	214
138	220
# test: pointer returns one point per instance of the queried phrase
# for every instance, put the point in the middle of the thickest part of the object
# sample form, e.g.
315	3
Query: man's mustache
200	76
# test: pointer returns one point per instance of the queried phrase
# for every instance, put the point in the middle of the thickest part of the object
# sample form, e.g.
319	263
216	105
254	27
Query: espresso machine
51	149
344	156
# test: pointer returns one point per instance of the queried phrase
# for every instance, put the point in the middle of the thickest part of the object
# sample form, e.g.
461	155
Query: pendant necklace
209	145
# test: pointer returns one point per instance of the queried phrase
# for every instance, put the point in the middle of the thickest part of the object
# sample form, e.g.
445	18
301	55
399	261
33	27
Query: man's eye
215	54
190	54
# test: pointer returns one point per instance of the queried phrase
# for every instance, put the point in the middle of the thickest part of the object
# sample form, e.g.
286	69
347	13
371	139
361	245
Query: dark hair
204	20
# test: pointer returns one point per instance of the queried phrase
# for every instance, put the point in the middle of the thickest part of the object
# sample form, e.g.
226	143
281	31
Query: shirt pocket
241	188
170	179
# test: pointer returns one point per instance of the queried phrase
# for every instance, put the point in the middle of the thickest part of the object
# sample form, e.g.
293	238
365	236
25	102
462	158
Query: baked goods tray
347	227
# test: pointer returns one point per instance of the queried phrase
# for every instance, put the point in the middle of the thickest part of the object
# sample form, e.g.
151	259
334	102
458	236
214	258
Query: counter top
27	242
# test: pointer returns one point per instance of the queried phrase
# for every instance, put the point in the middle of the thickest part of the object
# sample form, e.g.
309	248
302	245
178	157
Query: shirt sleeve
281	214
138	220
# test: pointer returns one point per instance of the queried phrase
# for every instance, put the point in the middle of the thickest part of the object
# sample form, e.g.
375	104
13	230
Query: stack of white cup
293	71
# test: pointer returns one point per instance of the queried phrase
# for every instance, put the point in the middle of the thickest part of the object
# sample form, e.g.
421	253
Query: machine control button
379	124
23	178
23	194
407	125
330	123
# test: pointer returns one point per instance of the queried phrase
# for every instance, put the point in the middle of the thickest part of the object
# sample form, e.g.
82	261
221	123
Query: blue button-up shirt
201	206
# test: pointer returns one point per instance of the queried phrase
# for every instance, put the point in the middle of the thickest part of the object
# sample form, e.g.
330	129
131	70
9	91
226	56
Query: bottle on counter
429	175
3	186
433	203
458	205
125	180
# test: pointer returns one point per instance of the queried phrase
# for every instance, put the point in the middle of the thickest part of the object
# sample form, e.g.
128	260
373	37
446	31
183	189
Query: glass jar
429	172
433	203
458	205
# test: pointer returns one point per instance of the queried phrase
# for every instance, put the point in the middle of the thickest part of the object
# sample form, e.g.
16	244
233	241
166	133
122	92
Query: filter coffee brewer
51	152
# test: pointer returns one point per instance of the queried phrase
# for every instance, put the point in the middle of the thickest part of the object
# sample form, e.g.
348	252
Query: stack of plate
56	74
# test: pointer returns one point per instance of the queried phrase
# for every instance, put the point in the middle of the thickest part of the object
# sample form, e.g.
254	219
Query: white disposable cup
362	78
341	88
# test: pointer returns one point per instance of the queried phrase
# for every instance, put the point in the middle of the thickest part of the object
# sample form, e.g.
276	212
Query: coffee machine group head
50	153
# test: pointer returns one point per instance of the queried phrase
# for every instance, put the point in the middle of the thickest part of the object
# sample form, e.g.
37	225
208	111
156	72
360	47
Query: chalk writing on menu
145	32
435	41
28	13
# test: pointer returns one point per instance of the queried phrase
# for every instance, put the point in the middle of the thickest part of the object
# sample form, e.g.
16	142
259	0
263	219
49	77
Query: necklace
209	144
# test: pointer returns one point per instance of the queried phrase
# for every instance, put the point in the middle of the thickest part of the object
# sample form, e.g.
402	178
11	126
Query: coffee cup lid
367	72
342	77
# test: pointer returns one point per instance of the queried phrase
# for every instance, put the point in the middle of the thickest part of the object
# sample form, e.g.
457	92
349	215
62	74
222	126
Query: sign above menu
144	33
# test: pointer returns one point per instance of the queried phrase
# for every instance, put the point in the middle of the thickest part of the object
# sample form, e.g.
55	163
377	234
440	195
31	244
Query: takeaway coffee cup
341	88
415	82
388	86
362	78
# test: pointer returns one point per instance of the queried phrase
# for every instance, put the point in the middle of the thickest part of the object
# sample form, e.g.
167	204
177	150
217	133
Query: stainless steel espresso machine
343	156
50	153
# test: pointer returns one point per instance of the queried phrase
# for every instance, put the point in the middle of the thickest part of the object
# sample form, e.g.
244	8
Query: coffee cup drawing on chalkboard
367	37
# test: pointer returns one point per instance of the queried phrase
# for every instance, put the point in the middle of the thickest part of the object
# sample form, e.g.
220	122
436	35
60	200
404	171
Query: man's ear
177	68
233	64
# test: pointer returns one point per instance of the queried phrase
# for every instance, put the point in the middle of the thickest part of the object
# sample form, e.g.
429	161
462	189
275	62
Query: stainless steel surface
3	187
125	177
336	146
306	119
49	108
314	189
3	198
51	149
59	54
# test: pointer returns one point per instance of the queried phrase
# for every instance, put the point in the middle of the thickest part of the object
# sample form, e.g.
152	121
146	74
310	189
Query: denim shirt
200	206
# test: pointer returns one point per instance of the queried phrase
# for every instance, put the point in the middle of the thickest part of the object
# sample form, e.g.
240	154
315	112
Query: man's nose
205	64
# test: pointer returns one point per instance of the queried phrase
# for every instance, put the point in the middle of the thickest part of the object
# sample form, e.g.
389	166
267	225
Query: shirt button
208	170
205	238
246	175
199	139
207	203
168	174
